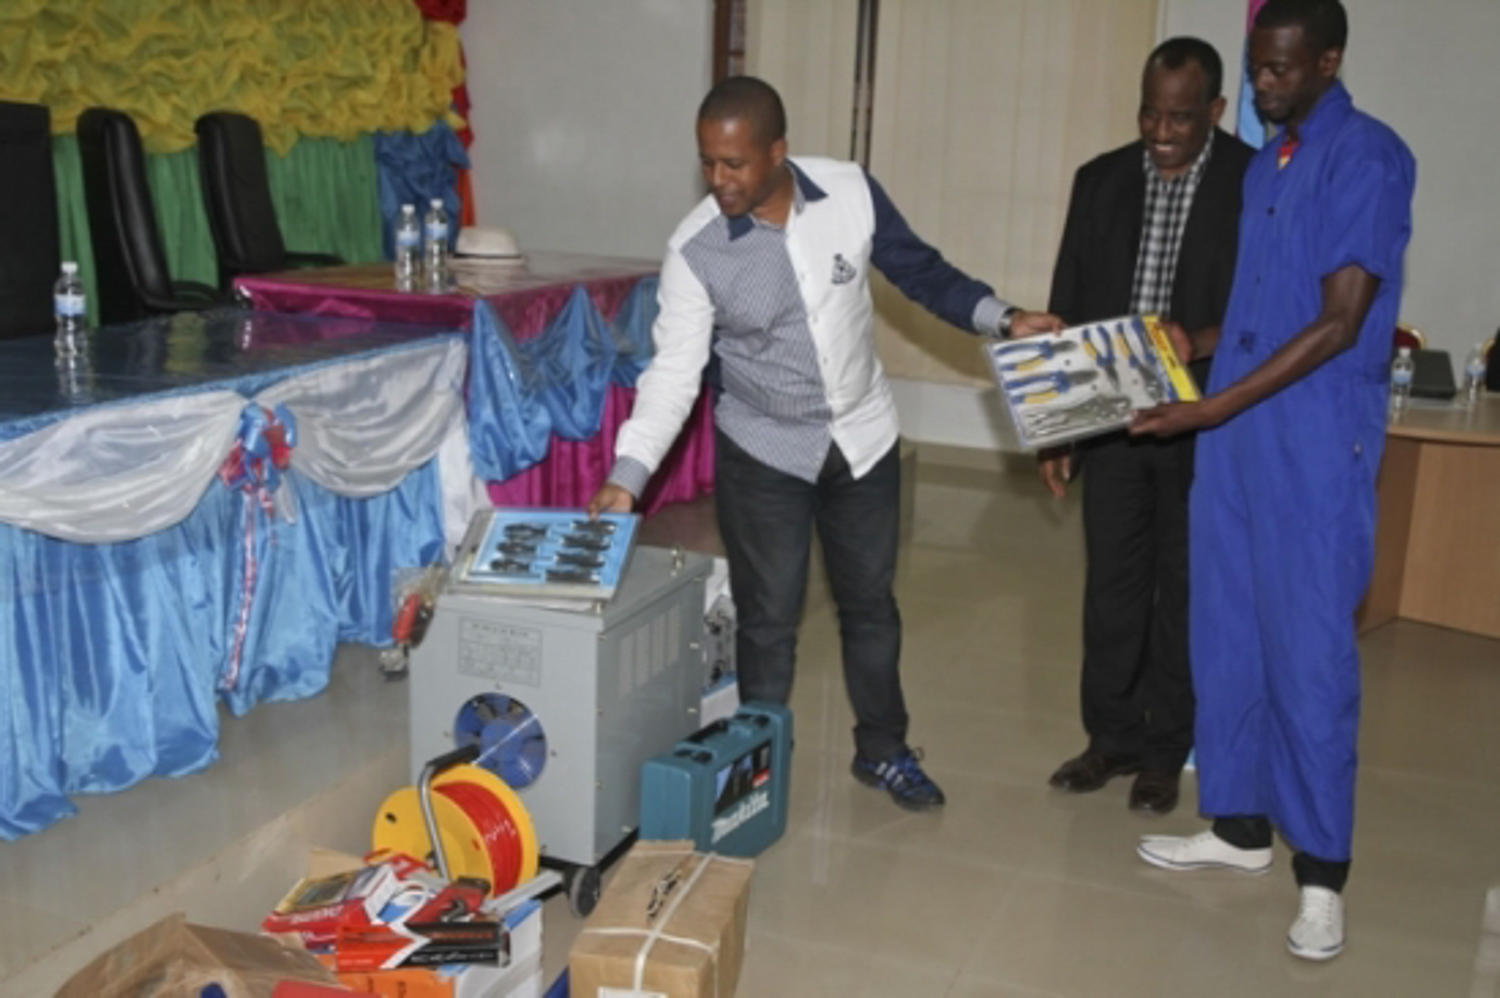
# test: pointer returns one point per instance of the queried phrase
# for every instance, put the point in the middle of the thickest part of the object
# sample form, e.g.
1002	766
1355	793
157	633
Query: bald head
750	99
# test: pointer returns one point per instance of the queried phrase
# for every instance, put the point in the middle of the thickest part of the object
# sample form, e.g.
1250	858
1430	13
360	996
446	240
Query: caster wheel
583	889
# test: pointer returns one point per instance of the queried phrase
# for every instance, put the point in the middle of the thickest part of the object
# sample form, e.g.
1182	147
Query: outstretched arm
1347	295
919	271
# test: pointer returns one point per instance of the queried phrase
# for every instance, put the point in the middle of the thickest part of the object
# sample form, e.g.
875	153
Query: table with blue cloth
203	506
155	560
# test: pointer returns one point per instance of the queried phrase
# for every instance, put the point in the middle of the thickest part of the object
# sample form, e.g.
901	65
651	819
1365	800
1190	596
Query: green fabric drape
324	191
327	198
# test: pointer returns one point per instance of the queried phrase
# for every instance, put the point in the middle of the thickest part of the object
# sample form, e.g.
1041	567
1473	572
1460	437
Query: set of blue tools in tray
558	553
1088	379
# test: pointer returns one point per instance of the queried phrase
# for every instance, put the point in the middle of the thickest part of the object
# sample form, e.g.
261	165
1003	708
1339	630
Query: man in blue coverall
1283	503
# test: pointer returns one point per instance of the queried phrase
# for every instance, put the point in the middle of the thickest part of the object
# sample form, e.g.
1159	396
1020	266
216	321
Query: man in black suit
1151	228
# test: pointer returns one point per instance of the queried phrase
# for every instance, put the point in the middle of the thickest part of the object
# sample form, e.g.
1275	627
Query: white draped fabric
115	473
463	491
364	425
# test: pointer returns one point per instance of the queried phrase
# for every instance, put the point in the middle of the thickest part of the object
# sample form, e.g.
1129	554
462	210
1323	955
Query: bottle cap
437	202
408	208
69	267
1404	352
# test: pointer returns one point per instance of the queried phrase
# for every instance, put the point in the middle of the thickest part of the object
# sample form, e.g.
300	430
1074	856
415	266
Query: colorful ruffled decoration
414	169
454	12
320	68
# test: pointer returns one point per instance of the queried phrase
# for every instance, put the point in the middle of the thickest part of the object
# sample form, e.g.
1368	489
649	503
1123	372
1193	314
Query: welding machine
564	700
726	787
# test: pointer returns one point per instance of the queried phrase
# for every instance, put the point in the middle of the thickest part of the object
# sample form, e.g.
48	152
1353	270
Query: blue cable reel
511	742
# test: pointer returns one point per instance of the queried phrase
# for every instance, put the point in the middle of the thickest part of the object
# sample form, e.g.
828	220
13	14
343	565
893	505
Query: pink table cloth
527	296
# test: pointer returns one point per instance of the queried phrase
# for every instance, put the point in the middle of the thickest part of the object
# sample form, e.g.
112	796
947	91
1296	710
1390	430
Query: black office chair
237	196
28	220
130	266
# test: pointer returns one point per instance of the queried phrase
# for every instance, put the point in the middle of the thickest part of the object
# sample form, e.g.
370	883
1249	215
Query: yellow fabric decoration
320	68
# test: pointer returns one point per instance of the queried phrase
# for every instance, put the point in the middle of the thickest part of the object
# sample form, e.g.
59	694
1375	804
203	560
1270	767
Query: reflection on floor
1013	890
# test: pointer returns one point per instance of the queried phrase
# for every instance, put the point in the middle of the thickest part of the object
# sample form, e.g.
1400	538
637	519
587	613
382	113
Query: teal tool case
725	787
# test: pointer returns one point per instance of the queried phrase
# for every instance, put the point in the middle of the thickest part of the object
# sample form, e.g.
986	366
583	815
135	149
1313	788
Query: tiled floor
1013	890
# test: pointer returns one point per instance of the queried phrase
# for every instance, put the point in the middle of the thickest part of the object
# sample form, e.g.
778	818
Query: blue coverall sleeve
1368	222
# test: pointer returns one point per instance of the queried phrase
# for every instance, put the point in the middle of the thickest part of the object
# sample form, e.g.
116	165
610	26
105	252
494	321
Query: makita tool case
725	787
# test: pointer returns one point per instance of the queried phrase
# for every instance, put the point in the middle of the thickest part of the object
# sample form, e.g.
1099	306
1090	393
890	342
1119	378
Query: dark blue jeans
766	520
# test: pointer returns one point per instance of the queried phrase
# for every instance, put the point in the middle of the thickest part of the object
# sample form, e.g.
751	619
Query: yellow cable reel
485	830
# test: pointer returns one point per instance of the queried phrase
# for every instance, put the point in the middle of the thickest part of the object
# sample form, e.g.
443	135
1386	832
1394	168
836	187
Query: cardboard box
670	925
175	959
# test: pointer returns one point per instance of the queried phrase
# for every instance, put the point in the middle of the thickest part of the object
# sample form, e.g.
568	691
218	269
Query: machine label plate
498	651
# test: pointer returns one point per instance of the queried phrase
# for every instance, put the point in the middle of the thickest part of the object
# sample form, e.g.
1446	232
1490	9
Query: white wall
1430	71
583	119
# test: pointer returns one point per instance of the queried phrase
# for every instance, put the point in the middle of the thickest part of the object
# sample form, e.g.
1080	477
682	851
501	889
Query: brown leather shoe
1154	790
1091	771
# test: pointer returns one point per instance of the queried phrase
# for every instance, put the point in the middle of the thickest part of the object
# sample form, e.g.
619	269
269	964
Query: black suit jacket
1096	264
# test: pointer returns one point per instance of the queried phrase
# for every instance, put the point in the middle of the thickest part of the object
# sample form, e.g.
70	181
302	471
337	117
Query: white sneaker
1318	932
1204	851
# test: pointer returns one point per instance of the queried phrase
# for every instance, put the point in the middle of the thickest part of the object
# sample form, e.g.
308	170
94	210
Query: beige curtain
983	110
806	49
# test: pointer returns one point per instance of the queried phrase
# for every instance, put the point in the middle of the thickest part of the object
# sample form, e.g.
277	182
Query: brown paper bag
173	959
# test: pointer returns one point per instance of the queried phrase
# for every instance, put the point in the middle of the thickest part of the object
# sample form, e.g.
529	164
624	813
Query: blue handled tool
1042	350
1046	387
1146	374
1104	354
1161	388
1061	380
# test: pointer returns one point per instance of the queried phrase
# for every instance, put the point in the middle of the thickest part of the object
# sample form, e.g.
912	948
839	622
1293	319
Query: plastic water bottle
1402	369
75	376
1474	371
69	306
435	247
408	247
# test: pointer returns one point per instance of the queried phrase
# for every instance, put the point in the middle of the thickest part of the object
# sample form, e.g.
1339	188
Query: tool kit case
1087	380
726	787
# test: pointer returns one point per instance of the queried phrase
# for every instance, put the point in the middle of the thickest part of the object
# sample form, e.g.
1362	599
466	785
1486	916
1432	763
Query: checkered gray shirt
1168	201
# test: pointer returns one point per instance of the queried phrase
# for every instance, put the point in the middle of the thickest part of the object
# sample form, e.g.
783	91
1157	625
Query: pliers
1044	350
1149	379
1095	411
1057	383
1103	354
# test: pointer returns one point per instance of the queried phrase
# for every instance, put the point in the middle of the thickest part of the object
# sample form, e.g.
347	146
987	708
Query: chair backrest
129	261
237	195
28	220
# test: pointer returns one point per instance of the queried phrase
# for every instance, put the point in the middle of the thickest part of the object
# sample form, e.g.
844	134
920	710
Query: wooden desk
1437	553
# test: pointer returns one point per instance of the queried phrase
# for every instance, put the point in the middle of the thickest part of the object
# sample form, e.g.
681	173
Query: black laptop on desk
1432	375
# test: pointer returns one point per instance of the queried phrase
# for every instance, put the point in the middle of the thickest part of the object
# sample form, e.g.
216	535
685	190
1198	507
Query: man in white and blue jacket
768	277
